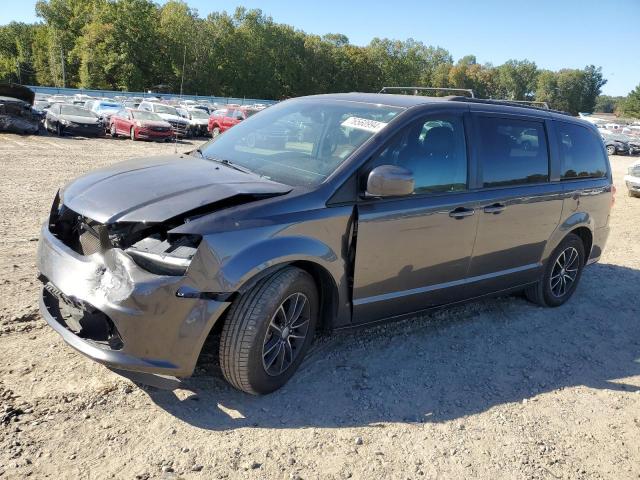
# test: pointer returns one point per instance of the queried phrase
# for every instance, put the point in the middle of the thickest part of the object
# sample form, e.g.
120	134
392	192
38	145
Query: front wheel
132	134
561	275
611	150
215	132
59	130
113	131
268	331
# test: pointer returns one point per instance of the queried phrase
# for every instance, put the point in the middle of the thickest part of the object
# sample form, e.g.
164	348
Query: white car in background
169	113
632	179
198	120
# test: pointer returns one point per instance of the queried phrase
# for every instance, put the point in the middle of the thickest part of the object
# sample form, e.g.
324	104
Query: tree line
137	45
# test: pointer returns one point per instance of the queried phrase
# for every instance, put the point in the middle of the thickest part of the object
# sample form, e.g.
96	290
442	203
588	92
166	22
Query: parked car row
618	143
82	114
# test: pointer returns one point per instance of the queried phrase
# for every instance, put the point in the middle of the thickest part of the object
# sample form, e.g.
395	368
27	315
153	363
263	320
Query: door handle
461	212
495	208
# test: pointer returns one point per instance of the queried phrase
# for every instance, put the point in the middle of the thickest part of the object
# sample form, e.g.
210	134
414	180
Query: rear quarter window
582	155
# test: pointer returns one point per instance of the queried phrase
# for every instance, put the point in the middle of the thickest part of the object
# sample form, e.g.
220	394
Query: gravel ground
497	389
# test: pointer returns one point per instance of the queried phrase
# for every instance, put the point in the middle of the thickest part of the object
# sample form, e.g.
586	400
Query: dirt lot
499	389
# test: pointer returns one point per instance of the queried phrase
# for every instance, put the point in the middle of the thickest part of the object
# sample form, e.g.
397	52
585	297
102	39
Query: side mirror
390	181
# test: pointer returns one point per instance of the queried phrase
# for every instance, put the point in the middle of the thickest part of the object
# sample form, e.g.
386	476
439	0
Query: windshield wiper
230	164
224	161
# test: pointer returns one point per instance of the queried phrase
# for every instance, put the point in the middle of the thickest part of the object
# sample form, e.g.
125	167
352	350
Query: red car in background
225	118
140	124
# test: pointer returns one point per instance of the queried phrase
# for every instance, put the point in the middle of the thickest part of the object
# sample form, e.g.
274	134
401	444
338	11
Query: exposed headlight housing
170	255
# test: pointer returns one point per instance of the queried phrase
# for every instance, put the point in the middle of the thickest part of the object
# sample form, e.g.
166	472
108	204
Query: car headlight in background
169	256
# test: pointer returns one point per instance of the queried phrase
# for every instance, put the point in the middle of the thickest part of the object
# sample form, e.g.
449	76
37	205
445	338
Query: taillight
613	195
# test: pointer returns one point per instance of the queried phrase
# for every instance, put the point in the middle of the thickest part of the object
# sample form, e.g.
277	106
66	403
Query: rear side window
512	152
582	152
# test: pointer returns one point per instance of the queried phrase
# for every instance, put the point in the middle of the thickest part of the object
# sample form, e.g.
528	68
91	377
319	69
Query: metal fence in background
114	93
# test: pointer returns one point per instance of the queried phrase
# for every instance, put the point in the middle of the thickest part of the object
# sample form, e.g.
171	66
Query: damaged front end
150	246
128	282
16	114
116	292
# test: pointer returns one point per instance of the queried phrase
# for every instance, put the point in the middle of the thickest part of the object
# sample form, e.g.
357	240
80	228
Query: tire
252	350
59	130
132	134
548	292
215	132
113	131
611	150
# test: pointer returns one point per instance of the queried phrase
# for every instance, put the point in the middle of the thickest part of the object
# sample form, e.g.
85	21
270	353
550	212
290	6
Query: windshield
196	113
143	115
165	109
300	142
77	111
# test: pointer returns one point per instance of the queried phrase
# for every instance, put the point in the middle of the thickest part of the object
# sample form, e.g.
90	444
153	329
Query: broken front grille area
81	234
81	318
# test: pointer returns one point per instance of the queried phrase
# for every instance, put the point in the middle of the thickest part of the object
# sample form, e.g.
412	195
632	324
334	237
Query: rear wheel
215	132
132	134
561	275
59	130
113	131
268	331
611	150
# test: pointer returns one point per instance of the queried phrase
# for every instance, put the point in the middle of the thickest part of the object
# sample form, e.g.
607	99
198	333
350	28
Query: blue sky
553	33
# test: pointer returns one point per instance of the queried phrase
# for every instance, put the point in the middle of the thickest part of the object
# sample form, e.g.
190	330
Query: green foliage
138	45
517	80
607	104
570	90
630	106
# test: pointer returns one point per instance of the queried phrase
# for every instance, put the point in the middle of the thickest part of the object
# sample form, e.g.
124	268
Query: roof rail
418	89
531	103
514	103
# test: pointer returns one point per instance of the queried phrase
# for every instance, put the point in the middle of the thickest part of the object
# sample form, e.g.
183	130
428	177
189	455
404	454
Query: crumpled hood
15	90
156	189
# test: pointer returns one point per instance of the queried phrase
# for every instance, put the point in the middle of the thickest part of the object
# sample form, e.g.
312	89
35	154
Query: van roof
408	101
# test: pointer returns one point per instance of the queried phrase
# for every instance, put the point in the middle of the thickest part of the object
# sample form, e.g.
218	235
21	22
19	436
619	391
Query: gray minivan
376	206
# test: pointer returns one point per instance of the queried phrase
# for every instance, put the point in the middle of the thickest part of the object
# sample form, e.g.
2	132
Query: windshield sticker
364	124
